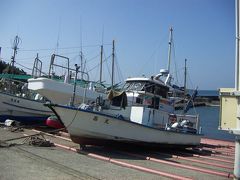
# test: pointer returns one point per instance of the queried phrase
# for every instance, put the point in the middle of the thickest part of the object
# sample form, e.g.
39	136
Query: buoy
53	122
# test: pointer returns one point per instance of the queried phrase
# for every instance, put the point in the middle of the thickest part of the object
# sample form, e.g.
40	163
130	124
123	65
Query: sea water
209	122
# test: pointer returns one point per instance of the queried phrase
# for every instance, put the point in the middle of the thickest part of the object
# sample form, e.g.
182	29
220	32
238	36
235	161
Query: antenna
58	37
81	53
16	42
102	34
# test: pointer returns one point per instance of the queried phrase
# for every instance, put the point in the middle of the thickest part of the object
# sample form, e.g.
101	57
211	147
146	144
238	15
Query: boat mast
101	56
101	63
185	78
113	50
81	53
81	58
170	49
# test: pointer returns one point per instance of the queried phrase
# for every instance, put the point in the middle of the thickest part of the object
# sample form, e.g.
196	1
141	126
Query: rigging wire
190	81
175	62
99	64
58	37
159	44
24	66
93	58
120	75
51	49
30	69
62	54
109	73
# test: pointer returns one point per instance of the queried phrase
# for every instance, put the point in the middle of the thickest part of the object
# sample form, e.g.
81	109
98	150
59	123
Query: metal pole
169	49
237	77
75	84
101	64
81	56
14	55
185	79
15	48
113	49
36	66
237	86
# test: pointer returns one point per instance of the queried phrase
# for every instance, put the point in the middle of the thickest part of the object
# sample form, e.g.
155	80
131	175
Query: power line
51	49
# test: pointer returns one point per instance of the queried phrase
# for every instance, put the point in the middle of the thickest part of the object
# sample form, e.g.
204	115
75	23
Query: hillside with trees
6	68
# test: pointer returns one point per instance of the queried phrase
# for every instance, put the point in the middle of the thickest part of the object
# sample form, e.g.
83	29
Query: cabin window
161	91
134	86
156	103
148	101
153	103
149	87
139	100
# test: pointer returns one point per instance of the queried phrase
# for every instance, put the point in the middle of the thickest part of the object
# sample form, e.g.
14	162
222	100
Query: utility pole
170	49
113	50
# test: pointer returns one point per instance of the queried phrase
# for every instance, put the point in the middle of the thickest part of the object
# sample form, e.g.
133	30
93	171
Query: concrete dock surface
20	159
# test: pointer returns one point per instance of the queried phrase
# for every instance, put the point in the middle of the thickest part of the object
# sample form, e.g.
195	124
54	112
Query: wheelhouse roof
144	79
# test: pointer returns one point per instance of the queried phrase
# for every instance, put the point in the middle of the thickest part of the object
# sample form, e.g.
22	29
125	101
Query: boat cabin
145	91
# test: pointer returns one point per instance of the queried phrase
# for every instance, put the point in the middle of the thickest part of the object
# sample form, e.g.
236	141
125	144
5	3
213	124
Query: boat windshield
134	86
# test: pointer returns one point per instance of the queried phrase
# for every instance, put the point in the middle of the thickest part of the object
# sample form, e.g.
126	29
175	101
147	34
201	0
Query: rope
31	126
38	140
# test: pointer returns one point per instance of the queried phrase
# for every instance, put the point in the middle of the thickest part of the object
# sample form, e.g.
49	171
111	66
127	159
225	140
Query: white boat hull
61	93
88	127
17	107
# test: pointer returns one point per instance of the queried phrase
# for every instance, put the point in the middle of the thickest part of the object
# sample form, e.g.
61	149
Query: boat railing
183	123
68	76
19	89
37	68
53	64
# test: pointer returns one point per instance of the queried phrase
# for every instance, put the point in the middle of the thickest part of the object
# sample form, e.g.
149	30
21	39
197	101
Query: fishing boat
19	103
59	90
143	114
178	94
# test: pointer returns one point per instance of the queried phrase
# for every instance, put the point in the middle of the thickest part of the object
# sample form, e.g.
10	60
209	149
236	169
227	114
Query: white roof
145	79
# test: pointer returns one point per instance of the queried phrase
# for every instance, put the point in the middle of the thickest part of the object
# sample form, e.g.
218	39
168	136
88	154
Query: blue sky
204	33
